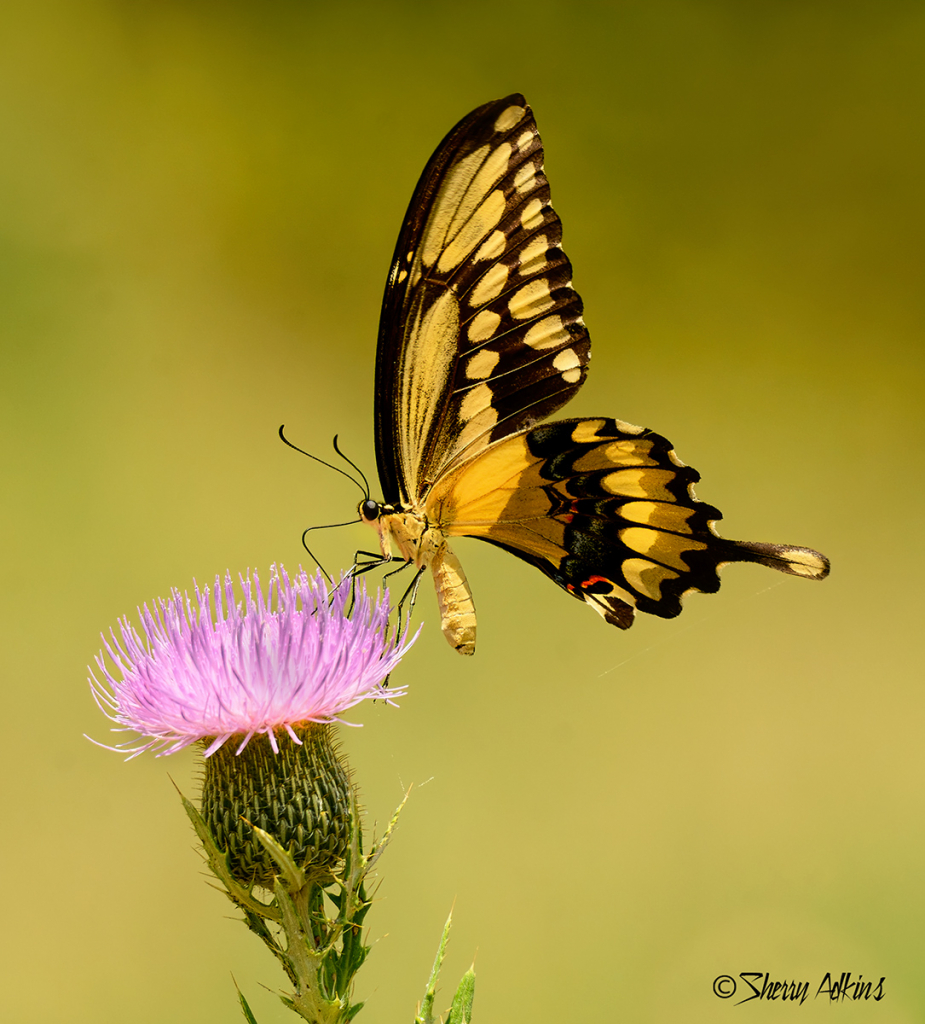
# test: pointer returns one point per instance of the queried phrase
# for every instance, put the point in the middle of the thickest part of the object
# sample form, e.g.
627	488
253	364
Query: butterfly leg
410	595
374	560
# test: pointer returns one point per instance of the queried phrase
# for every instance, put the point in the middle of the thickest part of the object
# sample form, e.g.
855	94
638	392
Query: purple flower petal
217	668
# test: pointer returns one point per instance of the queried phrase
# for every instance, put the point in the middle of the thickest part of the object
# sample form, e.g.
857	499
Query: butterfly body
424	545
481	339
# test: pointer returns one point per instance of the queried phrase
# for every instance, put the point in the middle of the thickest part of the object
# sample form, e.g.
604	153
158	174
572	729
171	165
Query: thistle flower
279	812
288	662
238	670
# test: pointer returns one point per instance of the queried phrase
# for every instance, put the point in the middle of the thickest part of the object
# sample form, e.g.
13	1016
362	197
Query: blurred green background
199	203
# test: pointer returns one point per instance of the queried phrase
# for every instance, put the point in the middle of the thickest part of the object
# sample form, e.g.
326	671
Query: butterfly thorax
407	529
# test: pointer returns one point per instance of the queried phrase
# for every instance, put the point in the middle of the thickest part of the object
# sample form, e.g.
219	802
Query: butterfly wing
481	331
607	511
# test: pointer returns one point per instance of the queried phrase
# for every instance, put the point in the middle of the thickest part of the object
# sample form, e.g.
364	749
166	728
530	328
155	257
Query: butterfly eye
369	510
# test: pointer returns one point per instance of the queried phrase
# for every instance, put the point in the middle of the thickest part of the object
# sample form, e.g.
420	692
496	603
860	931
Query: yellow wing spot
615	453
402	274
483	326
448	204
646	577
532	215
548	333
508	118
410	256
639	483
492	247
661	516
524	140
533	257
494	168
491	285
531	300
471	231
481	364
568	364
586	430
476	401
665	547
525	178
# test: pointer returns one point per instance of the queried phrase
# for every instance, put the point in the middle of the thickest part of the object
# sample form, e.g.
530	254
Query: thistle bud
300	794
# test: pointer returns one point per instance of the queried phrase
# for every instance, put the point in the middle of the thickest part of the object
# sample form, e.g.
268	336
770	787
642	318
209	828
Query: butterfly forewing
481	330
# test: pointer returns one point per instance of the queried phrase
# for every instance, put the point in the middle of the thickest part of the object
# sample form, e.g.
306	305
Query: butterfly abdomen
454	600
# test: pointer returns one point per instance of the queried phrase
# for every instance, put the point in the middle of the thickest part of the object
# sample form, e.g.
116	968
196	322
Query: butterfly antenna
350	462
286	440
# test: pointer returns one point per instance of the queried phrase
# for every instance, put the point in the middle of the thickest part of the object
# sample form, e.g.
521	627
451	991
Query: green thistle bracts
301	796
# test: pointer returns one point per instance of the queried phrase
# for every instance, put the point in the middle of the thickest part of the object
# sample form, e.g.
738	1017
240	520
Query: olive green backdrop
199	203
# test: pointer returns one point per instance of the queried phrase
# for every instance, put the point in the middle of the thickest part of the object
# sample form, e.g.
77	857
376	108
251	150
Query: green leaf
293	875
425	1014
248	1013
461	1010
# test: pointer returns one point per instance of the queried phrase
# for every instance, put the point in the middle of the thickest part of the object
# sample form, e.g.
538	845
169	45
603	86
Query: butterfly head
369	510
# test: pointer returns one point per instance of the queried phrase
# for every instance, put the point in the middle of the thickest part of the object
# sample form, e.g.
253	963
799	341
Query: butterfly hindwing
607	511
481	330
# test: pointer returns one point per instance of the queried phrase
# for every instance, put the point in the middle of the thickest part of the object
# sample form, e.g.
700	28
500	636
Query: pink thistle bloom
226	669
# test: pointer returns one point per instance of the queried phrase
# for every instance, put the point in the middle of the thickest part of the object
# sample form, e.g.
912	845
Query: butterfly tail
795	561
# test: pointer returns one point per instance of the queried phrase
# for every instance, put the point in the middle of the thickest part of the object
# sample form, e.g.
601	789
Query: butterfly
481	338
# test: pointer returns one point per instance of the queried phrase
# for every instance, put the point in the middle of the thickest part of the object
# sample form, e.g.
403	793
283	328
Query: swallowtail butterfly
481	338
